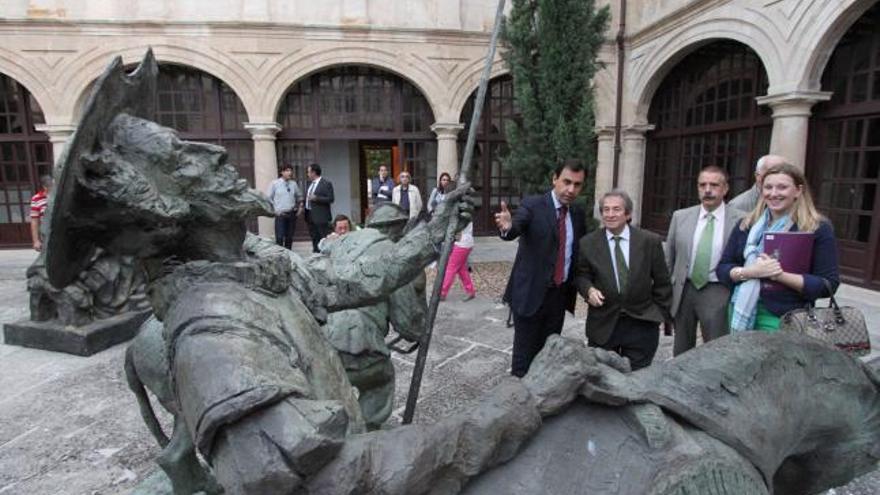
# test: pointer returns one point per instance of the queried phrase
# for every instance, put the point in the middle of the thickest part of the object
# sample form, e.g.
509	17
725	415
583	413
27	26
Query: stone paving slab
69	425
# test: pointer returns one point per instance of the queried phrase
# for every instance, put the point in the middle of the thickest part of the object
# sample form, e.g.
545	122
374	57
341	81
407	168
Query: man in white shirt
286	197
407	196
319	197
696	239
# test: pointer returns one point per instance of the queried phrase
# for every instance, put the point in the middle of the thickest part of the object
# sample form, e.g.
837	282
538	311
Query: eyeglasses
288	188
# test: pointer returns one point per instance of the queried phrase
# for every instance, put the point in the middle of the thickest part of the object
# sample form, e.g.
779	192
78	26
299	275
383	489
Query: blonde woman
785	205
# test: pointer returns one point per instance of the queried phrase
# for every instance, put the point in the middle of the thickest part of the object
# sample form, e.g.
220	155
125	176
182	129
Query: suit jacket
746	200
320	206
534	224
679	244
650	290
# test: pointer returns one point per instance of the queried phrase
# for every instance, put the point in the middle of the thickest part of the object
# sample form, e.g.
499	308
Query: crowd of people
713	272
290	202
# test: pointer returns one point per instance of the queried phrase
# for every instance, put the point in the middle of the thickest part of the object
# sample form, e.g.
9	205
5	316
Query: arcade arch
704	113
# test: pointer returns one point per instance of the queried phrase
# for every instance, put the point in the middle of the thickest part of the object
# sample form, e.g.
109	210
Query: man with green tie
622	274
696	239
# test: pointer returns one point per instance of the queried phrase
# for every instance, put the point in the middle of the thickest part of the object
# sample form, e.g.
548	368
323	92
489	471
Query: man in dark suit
696	239
319	197
621	272
539	289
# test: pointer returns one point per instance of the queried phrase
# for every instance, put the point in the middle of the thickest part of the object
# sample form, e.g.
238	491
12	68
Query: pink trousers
458	266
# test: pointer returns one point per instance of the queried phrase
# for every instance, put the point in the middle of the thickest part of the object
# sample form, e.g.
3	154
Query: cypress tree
551	52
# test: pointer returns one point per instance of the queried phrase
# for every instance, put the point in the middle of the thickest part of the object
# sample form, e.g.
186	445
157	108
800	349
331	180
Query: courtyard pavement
69	425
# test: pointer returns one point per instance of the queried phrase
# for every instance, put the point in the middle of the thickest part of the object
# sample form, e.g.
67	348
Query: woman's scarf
746	294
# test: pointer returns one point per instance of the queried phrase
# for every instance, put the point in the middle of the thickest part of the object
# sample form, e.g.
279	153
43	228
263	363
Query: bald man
747	200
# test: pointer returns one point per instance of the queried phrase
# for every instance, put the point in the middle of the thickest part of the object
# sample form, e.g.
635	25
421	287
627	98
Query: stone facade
56	49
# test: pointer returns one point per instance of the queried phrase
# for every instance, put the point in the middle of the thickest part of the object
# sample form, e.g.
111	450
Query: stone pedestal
265	164
81	341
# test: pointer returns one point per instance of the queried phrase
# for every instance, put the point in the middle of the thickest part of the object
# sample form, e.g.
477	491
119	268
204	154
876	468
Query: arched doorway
705	114
25	155
351	119
491	182
844	168
203	108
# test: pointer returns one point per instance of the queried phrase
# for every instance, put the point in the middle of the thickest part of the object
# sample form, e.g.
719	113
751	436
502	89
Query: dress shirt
311	191
284	194
624	246
717	239
569	232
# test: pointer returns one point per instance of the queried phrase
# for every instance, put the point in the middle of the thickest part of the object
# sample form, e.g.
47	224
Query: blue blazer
534	224
780	302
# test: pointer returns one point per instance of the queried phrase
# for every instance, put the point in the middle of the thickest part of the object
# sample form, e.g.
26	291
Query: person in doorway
319	197
39	202
379	188
407	196
286	198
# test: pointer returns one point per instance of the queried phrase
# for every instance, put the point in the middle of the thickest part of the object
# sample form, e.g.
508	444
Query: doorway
374	154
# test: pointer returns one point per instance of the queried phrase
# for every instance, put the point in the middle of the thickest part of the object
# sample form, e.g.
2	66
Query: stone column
58	136
265	163
632	165
791	119
604	163
447	146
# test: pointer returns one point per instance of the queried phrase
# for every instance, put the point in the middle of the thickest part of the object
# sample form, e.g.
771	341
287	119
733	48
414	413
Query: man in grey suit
696	239
746	200
623	276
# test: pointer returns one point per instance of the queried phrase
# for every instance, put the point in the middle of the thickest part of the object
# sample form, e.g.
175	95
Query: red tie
559	273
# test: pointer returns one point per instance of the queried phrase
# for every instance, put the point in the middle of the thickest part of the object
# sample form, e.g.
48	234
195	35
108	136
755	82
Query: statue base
81	341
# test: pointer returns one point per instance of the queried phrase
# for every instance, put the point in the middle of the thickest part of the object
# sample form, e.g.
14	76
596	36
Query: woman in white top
458	264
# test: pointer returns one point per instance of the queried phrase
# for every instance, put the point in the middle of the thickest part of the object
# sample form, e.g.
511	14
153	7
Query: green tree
551	49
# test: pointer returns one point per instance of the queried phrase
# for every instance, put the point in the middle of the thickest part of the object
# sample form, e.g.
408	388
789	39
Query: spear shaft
425	341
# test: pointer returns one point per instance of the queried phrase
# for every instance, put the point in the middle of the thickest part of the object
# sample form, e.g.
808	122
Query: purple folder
794	250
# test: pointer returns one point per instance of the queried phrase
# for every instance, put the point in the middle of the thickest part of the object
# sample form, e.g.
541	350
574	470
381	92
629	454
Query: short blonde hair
805	214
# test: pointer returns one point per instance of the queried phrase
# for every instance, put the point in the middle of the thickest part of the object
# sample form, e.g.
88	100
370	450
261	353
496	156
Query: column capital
263	131
604	132
58	133
793	103
447	130
637	131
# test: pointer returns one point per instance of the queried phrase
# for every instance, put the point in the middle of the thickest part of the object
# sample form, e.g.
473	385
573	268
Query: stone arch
87	70
654	64
14	67
820	52
469	81
298	66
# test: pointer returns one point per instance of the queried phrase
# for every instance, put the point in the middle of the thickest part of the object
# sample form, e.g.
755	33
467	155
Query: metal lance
425	341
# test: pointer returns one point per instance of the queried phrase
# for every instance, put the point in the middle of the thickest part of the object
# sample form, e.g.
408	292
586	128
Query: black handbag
842	327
